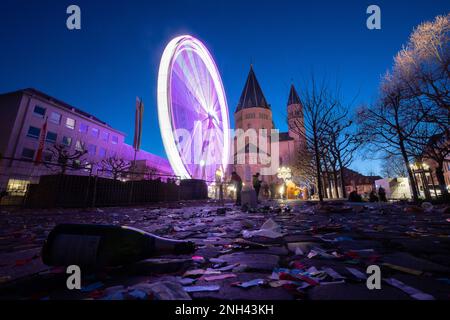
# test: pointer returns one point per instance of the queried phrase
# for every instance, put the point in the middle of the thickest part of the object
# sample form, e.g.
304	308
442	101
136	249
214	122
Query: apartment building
23	114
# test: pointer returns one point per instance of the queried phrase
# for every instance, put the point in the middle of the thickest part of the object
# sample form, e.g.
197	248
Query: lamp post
285	174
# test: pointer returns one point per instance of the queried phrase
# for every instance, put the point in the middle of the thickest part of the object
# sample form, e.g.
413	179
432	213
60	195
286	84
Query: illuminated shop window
17	187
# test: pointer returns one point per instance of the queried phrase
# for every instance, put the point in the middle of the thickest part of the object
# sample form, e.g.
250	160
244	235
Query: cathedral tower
254	113
296	123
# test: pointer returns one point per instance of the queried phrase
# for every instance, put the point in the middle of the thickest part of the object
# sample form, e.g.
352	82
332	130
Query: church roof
252	95
293	96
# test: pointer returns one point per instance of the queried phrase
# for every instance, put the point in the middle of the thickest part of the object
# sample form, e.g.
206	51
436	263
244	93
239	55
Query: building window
33	132
48	156
17	187
83	128
102	152
39	111
114	139
105	136
113	154
51	137
94	132
55	117
92	149
28	154
67	141
70	123
79	146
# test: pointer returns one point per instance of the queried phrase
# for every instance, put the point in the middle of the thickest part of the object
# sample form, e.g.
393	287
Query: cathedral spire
252	95
293	96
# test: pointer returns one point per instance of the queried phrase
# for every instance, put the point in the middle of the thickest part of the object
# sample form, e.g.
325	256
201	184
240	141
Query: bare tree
390	123
393	166
303	170
423	67
116	166
67	158
343	141
318	101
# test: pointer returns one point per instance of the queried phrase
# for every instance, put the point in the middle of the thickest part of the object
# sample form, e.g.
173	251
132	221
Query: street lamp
285	174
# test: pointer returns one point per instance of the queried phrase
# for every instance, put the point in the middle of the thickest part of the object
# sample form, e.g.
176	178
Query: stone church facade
254	112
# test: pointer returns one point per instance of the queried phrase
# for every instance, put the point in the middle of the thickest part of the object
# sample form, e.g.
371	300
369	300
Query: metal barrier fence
49	184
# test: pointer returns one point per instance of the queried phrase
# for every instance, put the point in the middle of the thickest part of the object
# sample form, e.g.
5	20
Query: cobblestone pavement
291	250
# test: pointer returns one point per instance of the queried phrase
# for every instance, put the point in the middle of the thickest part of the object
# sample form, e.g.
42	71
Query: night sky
115	56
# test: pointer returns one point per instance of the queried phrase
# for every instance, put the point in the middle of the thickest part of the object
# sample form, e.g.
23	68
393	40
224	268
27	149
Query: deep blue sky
115	57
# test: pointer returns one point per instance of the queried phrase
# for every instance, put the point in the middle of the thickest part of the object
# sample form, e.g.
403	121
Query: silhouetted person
373	196
382	194
236	179
256	184
354	197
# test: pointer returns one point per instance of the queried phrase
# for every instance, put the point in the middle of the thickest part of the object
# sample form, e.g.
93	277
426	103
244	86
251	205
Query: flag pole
137	142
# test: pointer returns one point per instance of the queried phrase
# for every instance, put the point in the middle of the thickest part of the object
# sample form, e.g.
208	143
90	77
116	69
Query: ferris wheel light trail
191	97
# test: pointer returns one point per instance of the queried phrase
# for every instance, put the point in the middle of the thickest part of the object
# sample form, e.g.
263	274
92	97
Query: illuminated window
17	187
33	132
55	118
84	128
39	111
114	139
70	123
94	132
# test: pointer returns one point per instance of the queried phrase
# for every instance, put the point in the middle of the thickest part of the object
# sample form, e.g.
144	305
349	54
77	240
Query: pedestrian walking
236	179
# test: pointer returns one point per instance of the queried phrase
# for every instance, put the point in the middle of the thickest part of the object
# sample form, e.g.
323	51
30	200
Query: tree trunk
441	181
341	170
324	185
317	160
412	182
335	182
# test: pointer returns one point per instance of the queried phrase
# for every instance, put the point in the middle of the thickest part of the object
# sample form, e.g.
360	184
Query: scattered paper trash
201	288
269	229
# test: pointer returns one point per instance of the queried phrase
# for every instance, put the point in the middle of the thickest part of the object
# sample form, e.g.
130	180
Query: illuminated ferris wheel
192	110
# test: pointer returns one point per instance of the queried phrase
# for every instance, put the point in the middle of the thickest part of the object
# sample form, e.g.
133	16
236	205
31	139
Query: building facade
24	113
254	112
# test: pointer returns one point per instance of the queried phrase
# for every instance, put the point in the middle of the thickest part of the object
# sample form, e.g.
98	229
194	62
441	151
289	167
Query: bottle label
71	249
